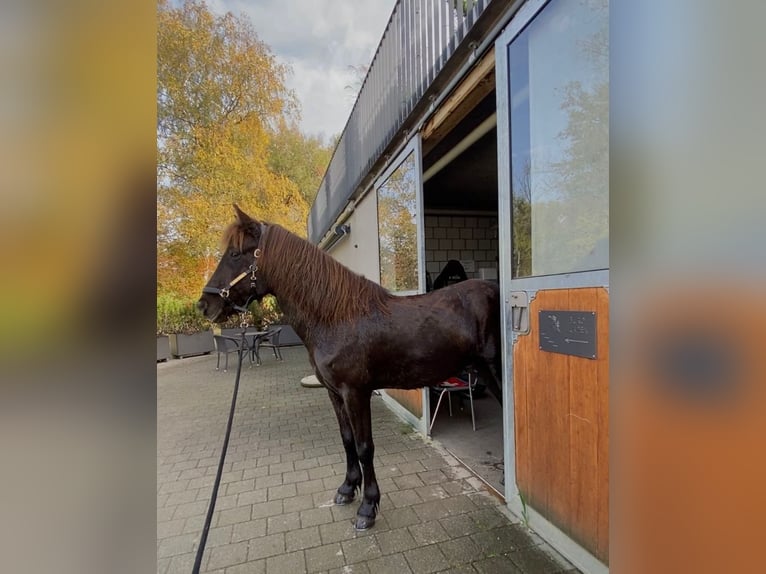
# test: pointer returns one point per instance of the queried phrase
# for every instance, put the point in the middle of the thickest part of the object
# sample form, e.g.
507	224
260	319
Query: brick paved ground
274	512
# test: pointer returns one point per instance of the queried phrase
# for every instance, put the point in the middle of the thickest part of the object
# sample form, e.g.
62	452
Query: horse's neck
294	319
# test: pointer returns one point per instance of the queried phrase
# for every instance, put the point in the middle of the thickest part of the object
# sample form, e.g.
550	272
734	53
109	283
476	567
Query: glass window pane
559	85
397	228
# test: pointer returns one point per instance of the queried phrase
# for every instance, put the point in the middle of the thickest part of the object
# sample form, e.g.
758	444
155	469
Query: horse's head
236	280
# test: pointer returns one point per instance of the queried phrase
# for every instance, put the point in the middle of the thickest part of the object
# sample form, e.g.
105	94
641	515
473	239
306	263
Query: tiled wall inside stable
465	238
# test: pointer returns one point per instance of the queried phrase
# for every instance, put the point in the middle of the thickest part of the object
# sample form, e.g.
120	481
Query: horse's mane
317	286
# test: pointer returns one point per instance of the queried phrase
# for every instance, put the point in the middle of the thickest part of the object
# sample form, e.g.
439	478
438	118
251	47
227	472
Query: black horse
359	336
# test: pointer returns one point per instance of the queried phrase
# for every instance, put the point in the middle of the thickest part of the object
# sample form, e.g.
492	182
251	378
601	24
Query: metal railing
418	41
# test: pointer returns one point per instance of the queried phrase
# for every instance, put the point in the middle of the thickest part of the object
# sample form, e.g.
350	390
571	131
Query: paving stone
502	540
291	563
461	551
250	567
190	509
302	538
218	536
247	530
306	464
177	545
394	541
240	486
497	565
534	560
281	467
431	510
401	517
283	523
280	492
227	555
324	557
254	472
408	481
295	476
487	518
170	528
358	568
268	481
336	531
181	564
344	512
426	559
183	497
391	564
428	533
233	515
315	516
298	503
252	497
174	486
360	549
432	477
194	524
431	492
462	569
266	546
266	509
404	498
310	487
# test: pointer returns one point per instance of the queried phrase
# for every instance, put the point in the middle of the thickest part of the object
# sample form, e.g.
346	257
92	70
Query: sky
320	40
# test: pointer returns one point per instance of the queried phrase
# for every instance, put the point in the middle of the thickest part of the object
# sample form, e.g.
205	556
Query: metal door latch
520	312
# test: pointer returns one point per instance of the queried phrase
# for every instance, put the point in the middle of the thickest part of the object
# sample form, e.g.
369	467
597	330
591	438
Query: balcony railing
418	41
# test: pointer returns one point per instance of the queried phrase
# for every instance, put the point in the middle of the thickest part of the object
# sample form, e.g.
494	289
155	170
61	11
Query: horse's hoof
342	499
364	522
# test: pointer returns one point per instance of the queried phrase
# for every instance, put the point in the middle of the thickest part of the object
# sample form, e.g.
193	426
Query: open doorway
460	206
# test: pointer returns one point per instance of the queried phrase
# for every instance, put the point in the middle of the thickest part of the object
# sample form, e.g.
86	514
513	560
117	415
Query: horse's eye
234	254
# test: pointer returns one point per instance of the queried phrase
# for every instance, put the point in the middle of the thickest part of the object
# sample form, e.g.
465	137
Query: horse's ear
244	219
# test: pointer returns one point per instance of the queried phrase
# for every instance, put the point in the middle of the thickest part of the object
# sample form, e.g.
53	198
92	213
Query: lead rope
224	448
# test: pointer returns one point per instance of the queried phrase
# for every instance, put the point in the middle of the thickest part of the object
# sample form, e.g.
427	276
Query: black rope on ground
211	507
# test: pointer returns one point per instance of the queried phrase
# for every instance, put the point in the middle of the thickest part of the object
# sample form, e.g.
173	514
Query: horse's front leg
347	490
357	404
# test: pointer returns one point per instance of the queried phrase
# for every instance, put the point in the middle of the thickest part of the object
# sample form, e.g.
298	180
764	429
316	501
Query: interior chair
455	385
271	341
225	344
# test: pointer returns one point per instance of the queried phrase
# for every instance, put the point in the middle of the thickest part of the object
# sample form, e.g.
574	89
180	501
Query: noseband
224	292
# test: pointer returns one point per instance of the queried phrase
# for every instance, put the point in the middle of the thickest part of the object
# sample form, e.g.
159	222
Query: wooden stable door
562	422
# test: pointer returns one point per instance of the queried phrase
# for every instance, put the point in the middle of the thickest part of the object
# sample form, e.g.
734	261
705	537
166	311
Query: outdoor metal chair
269	340
455	385
225	344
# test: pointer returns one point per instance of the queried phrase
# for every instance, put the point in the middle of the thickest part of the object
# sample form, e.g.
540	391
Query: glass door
402	255
553	171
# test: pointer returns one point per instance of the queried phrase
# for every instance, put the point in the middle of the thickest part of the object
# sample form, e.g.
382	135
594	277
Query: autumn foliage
226	132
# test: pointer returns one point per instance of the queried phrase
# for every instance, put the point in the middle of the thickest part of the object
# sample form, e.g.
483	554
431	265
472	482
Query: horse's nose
202	305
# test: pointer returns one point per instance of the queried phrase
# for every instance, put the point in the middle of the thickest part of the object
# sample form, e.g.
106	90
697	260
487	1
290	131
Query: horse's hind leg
357	403
347	490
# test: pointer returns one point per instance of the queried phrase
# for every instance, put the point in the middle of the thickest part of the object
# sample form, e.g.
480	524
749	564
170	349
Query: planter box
163	348
288	337
189	345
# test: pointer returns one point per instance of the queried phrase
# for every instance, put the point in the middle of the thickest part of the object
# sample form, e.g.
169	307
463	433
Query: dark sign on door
568	333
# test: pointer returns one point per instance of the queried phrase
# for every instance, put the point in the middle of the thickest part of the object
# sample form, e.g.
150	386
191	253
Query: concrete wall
359	250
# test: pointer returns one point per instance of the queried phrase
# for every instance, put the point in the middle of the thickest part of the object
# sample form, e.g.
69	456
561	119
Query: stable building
480	135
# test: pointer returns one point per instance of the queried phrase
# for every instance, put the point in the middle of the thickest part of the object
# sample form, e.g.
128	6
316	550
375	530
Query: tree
301	159
221	97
